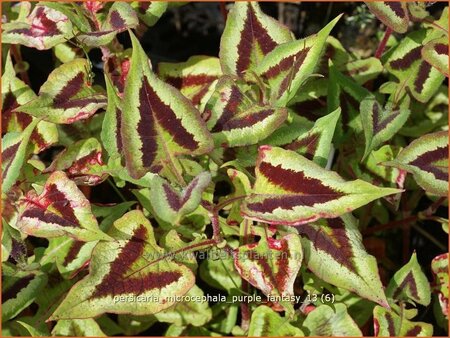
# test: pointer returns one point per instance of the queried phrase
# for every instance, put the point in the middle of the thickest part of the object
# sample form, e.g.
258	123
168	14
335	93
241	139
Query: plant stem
383	43
122	197
429	237
15	51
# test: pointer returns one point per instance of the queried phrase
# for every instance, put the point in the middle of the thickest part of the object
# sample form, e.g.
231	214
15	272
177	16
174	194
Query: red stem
15	51
383	43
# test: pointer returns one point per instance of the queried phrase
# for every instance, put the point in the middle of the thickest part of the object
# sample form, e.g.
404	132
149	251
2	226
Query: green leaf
78	327
128	275
66	96
265	322
160	122
218	271
248	36
388	323
392	14
291	190
290	64
330	321
410	284
427	159
439	267
380	124
61	209
334	252
435	53
150	11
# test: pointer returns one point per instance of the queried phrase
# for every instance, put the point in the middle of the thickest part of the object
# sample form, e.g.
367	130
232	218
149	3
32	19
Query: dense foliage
261	191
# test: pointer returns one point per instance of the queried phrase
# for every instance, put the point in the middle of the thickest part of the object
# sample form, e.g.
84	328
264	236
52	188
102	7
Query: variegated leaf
330	321
193	78
171	205
290	64
407	64
160	122
236	120
334	252
127	275
61	209
42	29
66	96
292	190
265	322
14	152
82	162
439	267
271	265
427	159
388	323
393	14
410	284
150	11
242	187
15	93
78	327
435	53
248	36
315	145
363	70
381	124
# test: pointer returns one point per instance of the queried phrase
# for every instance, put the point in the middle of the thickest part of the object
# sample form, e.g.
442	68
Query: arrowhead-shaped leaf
159	122
61	209
387	323
427	159
193	78
248	36
42	29
171	205
380	124
334	252
315	145
66	96
150	11
271	265
290	64
439	267
265	322
393	14
292	190
435	53
128	275
410	284
236	120
82	162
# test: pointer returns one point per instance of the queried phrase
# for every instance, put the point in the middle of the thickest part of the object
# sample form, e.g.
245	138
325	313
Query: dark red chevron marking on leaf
8	156
282	260
252	32
391	325
73	252
230	109
189	189
286	64
152	108
72	87
119	141
12	292
9	104
248	120
196	99
79	102
308	144
422	76
441	48
414	331
172	197
407	60
378	124
297	60
41	26
190	80
117	22
143	6
426	160
309	109
407	282
116	283
396	7
336	244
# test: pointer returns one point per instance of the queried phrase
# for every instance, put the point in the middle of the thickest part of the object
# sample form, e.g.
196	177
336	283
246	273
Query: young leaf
82	162
326	321
334	252
435	53
170	205
388	323
406	63
61	209
439	267
66	96
248	36
150	11
271	265
427	159
128	275
14	153
238	121
265	322
292	190
315	145
160	122
78	327
410	284
15	93
380	124
42	29
290	64
193	78
393	14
